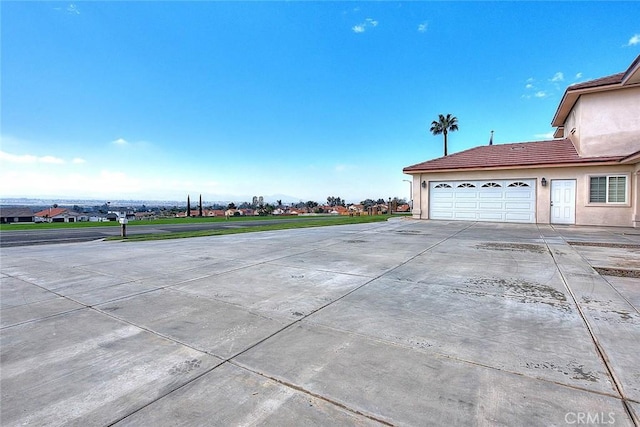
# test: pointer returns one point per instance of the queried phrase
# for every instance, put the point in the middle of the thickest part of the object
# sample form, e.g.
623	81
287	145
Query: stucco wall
627	215
606	123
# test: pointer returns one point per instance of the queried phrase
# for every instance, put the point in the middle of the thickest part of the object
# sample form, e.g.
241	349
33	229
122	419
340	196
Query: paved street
42	236
403	322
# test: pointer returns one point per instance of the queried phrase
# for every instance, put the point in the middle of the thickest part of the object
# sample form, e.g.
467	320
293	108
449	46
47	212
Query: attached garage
494	200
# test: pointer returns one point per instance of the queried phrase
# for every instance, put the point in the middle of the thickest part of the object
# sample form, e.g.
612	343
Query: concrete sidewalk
398	323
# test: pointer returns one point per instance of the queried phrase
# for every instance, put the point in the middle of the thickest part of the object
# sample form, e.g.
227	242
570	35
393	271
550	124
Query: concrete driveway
398	323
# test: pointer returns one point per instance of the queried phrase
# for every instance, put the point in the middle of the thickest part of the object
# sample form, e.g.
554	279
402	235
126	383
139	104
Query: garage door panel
519	217
445	195
490	194
519	194
501	201
442	206
498	206
462	215
490	216
448	214
465	205
527	206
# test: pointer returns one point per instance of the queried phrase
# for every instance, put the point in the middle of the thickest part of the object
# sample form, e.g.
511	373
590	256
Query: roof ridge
611	79
555	151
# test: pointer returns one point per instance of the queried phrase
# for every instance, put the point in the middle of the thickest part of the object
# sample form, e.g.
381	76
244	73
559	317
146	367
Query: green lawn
288	222
300	222
164	221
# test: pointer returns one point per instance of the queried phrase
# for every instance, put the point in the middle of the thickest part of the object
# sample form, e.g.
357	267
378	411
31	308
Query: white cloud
634	40
540	94
29	158
557	77
423	27
529	86
361	28
531	80
50	160
120	141
579	76
73	9
78	161
548	135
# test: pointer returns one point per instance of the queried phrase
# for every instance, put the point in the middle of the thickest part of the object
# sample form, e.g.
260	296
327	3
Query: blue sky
157	100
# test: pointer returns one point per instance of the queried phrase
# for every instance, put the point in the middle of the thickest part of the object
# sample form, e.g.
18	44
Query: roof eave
570	98
631	158
590	162
632	75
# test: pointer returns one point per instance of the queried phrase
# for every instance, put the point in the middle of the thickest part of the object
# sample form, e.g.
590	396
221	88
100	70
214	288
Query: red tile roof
602	81
507	156
608	80
51	212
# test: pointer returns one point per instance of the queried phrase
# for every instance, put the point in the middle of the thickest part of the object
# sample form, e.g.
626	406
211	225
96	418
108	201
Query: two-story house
588	175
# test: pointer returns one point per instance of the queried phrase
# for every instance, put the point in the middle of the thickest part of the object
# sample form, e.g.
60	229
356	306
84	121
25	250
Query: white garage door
497	200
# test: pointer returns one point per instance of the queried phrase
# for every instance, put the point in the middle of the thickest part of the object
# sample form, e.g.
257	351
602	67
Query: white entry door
563	201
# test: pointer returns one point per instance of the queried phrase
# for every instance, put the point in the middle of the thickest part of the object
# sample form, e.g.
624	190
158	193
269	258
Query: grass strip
163	221
285	225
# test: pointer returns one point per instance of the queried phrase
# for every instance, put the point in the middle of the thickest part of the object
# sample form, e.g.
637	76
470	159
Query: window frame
606	188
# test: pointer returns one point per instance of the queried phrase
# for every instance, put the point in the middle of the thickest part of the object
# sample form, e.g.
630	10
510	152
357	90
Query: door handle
552	203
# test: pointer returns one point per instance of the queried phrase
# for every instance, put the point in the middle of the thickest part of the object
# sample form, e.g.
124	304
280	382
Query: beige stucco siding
605	123
586	213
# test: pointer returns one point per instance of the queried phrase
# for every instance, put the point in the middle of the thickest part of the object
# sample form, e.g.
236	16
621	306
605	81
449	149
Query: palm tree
444	125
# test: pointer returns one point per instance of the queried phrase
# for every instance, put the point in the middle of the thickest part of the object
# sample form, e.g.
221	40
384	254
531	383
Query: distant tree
265	209
311	204
444	125
398	201
279	202
335	201
380	201
231	205
55	205
188	206
367	203
200	207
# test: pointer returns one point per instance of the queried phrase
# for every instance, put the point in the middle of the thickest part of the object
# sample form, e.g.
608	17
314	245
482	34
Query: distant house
18	214
145	215
588	175
335	210
57	215
403	208
205	213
